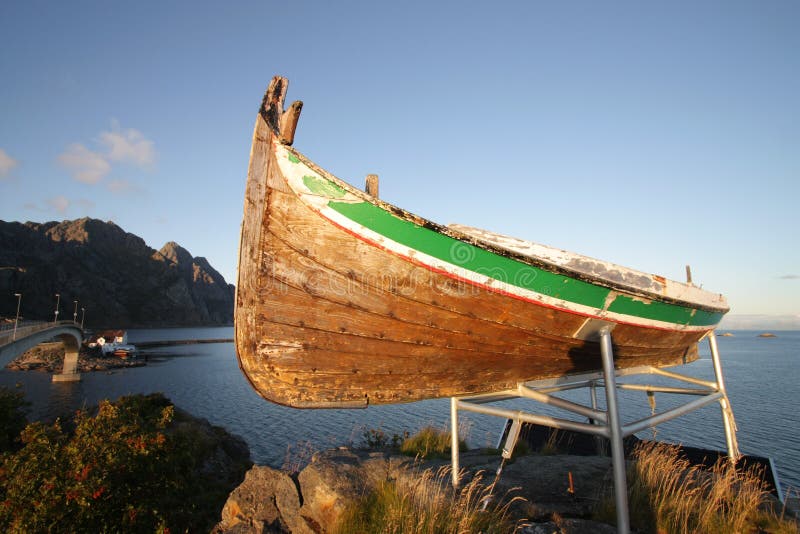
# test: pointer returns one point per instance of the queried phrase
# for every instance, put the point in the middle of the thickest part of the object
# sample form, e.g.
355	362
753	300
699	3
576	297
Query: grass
551	446
669	496
429	443
425	503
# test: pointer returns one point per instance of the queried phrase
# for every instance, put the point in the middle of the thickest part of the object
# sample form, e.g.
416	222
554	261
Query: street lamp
58	301
75	313
16	320
83	316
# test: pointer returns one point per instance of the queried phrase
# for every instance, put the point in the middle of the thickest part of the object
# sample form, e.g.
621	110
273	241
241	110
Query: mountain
112	273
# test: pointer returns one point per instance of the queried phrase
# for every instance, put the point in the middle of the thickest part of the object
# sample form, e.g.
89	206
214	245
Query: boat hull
331	313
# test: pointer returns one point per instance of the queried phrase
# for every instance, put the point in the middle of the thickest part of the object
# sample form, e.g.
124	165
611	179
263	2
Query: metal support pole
545	420
615	427
599	442
656	419
573	407
454	439
593	398
16	319
727	413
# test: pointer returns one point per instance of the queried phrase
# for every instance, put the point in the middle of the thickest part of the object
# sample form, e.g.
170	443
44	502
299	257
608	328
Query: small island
49	357
767	334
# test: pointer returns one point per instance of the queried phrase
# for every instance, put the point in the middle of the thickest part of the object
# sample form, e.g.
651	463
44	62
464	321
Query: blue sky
648	134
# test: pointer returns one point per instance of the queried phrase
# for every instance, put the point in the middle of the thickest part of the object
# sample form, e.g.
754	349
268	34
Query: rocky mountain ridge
112	273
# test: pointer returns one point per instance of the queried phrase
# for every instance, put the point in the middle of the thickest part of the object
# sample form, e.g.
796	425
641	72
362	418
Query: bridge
14	342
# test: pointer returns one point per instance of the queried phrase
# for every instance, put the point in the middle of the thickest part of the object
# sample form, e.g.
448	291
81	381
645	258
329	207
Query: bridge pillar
69	372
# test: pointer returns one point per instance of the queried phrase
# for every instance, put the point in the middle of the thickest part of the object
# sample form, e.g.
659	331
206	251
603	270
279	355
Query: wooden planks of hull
341	266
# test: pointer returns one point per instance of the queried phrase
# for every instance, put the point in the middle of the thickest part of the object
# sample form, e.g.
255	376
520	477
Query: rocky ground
49	357
309	502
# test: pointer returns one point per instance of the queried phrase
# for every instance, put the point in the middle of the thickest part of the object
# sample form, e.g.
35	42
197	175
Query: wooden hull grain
339	309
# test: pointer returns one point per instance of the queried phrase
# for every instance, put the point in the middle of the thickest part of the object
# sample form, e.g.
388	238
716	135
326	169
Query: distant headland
117	280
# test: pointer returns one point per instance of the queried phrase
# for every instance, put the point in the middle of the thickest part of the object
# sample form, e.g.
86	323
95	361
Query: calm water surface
761	375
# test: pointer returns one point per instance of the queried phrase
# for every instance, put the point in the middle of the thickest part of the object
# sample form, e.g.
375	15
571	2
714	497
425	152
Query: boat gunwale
533	261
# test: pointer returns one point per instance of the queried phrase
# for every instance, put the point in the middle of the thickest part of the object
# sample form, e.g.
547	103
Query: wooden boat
344	300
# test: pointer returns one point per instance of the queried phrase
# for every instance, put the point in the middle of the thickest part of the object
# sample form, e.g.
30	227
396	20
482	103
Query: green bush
376	438
12	418
130	466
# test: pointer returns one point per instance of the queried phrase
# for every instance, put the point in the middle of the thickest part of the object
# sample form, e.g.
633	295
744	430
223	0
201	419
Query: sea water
761	375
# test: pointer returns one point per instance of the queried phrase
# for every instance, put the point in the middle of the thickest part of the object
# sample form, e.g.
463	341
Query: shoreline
49	357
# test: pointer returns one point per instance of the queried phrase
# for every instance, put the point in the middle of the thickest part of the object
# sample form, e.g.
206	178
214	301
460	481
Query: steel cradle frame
604	423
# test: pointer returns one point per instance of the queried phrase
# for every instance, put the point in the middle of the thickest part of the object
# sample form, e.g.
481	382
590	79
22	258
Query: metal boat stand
604	423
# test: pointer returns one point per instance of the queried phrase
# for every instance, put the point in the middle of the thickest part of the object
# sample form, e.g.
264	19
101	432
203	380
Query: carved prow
283	123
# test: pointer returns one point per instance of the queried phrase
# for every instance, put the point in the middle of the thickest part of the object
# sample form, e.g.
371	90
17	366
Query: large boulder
266	501
336	478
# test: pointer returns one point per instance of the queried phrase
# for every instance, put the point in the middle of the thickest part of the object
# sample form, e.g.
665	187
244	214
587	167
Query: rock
544	483
226	456
541	528
569	526
767	334
336	478
270	501
267	501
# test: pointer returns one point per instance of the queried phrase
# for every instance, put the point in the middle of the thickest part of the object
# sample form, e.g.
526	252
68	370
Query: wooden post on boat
289	120
689	274
372	185
283	123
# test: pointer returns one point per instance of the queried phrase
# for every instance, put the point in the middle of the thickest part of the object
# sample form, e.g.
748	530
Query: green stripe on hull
661	311
472	258
498	267
513	272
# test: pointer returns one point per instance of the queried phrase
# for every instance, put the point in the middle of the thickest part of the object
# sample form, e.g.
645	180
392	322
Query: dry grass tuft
668	495
429	443
425	503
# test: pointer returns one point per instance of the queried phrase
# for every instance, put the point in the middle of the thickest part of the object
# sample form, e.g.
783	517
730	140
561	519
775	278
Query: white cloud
129	146
121	186
118	145
59	203
6	163
85	204
87	166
